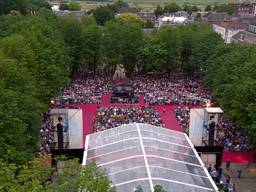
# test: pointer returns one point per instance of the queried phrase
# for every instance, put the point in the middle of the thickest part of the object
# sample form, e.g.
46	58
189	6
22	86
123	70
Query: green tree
149	24
208	8
64	6
206	44
35	5
71	28
158	11
171	8
111	46
91	40
159	188
152	54
19	110
102	14
34	177
129	18
138	189
189	8
227	8
169	39
236	92
8	5
74	6
87	20
130	42
117	5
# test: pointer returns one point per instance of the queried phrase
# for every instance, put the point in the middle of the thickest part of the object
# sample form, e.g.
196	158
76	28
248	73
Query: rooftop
217	16
127	10
233	25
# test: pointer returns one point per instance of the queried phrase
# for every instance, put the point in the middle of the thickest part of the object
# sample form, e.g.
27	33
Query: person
60	133
164	110
227	164
210	168
228	179
248	167
211	131
239	172
219	175
234	187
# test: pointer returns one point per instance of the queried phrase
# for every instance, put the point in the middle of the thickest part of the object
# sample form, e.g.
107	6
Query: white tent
173	19
145	155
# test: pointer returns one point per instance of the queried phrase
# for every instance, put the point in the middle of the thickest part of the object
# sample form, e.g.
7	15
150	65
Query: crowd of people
231	136
228	135
171	91
107	118
46	132
129	100
161	90
84	91
156	91
182	116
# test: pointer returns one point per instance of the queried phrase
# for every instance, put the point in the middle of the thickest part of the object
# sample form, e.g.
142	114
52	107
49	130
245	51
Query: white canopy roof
145	155
213	110
59	111
174	19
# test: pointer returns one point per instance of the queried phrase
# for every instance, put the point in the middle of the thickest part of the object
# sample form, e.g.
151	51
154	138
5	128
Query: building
148	17
227	29
127	10
144	155
244	9
247	37
213	18
77	14
172	20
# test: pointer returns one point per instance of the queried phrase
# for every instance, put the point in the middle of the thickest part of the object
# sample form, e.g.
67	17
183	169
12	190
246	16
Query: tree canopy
129	18
23	6
102	14
227	8
35	177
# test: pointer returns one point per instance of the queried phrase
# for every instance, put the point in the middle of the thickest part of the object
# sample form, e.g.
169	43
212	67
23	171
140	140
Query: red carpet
238	157
168	117
88	118
106	99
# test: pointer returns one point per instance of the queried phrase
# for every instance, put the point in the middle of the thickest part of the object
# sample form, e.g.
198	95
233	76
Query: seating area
88	91
178	93
171	91
46	132
156	91
182	116
107	118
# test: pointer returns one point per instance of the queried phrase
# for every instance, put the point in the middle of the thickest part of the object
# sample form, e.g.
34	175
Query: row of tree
230	74
106	13
34	64
39	176
73	6
173	7
23	6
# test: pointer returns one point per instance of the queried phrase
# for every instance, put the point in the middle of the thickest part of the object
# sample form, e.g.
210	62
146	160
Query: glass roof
145	155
